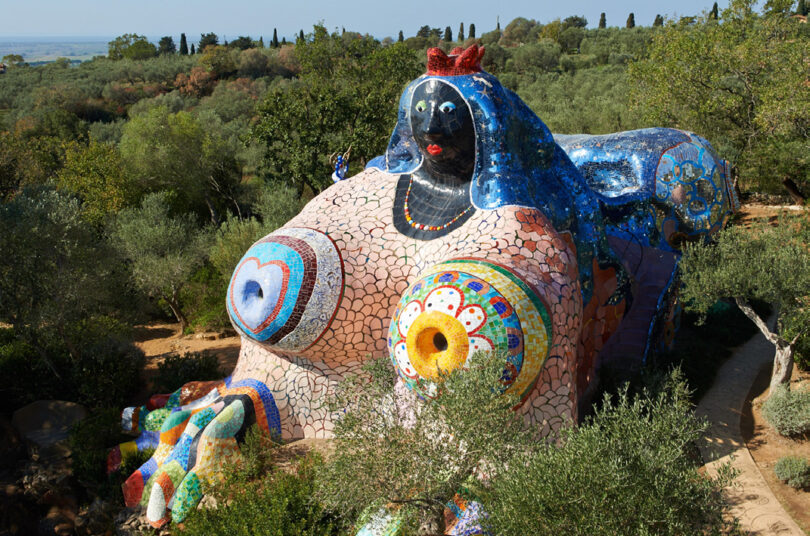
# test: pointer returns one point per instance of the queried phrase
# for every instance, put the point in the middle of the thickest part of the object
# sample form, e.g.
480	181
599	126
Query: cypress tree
183	45
283	40
631	21
714	14
472	31
401	37
301	35
192	49
498	24
602	21
448	34
261	41
275	38
226	43
461	32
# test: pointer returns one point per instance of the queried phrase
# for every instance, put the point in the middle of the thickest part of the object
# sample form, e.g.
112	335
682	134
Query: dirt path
767	446
158	340
751	499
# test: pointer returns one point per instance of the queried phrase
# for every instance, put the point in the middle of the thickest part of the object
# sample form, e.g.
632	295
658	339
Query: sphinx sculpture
478	230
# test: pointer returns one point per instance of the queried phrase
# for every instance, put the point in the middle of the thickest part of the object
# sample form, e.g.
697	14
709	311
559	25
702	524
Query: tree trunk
782	365
177	311
794	192
783	358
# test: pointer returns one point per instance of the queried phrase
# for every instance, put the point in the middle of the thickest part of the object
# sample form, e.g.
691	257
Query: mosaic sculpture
477	230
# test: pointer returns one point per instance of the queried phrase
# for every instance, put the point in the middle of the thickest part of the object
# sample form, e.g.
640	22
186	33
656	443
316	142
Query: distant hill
43	49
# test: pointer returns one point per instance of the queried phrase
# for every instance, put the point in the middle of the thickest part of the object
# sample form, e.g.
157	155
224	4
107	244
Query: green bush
631	469
278	504
90	443
107	372
397	449
33	379
176	370
788	411
203	299
794	471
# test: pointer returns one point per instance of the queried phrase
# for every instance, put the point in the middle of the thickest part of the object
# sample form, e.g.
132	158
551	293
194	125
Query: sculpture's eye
447	107
421	106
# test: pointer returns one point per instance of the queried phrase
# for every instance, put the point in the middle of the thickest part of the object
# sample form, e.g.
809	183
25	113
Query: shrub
788	411
203	298
630	469
278	504
90	442
392	448
107	372
794	471
33	379
177	370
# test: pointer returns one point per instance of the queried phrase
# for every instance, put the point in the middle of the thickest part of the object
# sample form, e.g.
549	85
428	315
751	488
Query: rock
207	502
45	425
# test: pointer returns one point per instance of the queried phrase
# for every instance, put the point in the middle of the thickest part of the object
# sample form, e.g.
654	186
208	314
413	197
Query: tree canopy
741	83
345	96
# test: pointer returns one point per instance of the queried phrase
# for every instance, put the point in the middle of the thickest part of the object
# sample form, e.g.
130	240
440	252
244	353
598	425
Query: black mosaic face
443	129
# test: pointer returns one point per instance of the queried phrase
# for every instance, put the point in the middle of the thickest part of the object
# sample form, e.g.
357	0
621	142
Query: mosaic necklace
423	227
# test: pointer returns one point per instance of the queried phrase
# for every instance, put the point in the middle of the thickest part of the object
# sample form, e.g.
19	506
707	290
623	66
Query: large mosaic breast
461	307
286	289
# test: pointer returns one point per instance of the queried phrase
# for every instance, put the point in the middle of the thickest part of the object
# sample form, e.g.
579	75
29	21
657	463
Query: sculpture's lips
434	149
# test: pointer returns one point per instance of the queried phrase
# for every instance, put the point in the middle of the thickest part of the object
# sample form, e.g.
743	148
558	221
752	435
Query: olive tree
739	81
766	263
391	449
346	96
163	250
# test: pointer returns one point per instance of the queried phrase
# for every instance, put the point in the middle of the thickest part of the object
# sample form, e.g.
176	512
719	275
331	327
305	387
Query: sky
380	18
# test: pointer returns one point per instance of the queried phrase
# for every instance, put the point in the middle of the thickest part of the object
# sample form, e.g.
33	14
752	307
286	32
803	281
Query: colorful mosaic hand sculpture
477	230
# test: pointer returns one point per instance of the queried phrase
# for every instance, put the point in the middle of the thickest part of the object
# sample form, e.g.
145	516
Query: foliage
163	250
742	83
131	46
702	345
344	97
232	240
788	411
90	441
26	161
94	173
793	470
54	268
180	153
262	500
92	364
202	298
166	45
392	449
629	469
107	373
176	370
770	264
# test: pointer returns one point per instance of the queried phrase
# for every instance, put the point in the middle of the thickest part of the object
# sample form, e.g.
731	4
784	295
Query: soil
157	340
767	446
750	213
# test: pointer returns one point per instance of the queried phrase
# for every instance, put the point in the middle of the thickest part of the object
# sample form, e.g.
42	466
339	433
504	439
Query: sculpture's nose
286	289
434	123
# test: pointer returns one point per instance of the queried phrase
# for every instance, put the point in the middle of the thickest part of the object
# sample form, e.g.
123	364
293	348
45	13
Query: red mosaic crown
457	63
